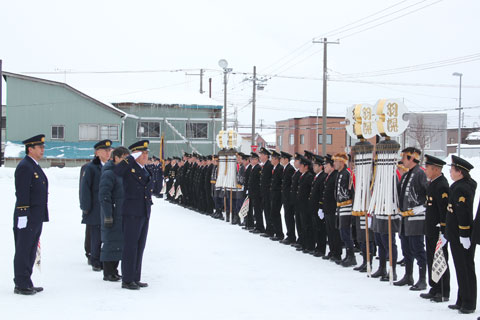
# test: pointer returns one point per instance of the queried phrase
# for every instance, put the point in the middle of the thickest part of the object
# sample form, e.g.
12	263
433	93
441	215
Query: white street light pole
458	74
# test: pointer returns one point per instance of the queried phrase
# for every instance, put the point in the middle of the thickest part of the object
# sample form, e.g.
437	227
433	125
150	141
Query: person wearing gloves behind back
458	232
435	215
89	202
31	190
111	200
138	187
412	191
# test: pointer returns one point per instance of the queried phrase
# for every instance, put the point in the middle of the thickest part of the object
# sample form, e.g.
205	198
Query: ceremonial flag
38	257
244	209
172	191
439	265
179	192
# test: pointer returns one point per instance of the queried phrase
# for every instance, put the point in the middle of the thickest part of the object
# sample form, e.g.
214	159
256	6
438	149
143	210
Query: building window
146	129
197	130
329	139
279	141
292	139
109	132
302	139
58	132
95	132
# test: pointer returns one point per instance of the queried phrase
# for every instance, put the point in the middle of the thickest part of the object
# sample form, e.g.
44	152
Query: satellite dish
223	63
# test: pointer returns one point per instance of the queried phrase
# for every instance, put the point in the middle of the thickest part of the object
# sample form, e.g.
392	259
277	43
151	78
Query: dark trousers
257	213
466	278
333	235
218	204
381	240
413	247
87	242
289	211
267	211
135	230
249	222
307	240
26	243
110	268
346	236
443	285
95	245
276	216
319	233
298	223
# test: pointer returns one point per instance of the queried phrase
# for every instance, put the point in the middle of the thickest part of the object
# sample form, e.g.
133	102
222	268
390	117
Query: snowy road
197	268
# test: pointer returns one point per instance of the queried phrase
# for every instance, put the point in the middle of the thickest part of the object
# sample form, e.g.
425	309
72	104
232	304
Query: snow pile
197	268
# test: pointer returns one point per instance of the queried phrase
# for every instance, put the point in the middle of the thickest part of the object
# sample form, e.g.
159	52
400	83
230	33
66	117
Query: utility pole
201	79
254	99
209	87
324	111
458	74
225	99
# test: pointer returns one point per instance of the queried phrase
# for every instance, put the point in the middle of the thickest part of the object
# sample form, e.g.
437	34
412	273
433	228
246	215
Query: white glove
136	154
418	210
465	241
369	221
166	180
321	215
444	241
22	222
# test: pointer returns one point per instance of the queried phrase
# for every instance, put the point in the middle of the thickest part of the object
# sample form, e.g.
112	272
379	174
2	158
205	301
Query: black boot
365	269
363	265
350	259
407	278
386	278
382	269
422	282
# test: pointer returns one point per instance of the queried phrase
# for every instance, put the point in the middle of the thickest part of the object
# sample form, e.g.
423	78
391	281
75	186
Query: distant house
246	142
73	121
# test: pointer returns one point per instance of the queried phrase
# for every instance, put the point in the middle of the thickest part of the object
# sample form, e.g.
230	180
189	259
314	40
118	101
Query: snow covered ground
197	268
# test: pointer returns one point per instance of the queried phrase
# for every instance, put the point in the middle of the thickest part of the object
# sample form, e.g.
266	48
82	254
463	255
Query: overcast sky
276	36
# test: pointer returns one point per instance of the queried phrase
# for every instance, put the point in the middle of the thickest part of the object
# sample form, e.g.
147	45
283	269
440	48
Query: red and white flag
38	257
439	265
244	209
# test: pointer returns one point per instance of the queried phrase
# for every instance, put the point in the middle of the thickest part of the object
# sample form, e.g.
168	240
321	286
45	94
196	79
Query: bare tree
423	133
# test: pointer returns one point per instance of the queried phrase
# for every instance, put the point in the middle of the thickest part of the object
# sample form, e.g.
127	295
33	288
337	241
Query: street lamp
224	64
458	74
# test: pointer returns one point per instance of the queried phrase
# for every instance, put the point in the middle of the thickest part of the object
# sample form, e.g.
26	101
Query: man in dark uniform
303	193
137	183
31	191
316	196
265	182
166	175
254	192
294	199
329	208
344	197
216	191
412	191
89	202
288	208
249	222
458	232
276	196
208	186
171	177
435	215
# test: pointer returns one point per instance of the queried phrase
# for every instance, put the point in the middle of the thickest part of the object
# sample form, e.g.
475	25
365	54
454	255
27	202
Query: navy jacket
31	190
138	188
89	187
111	196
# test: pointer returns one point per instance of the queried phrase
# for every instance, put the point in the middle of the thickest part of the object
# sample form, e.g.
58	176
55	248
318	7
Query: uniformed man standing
249	222
329	208
411	197
89	202
31	191
435	215
255	194
276	197
265	183
137	183
294	199
344	197
458	231
316	197
288	208
303	193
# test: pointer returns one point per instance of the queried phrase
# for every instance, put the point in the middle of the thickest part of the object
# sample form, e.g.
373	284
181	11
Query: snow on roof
474	136
156	96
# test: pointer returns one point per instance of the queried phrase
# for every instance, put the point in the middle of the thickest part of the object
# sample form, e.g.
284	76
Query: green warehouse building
73	121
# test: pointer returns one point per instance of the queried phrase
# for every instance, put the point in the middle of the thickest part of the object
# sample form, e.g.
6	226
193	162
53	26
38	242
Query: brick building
299	134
